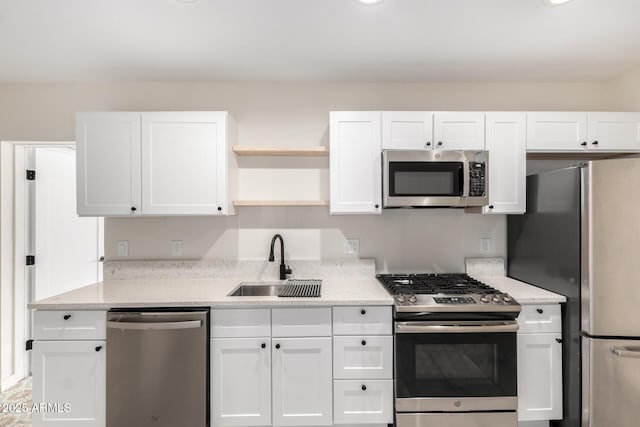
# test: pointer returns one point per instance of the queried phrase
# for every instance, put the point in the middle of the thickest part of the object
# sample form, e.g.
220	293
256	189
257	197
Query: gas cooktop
445	292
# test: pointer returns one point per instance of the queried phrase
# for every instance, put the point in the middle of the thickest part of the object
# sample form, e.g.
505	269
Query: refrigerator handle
626	352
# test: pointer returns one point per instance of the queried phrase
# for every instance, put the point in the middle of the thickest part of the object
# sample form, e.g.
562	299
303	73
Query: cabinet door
302	382
241	381
355	162
364	356
614	131
556	131
108	164
363	402
506	143
458	131
539	377
407	130
184	163
72	375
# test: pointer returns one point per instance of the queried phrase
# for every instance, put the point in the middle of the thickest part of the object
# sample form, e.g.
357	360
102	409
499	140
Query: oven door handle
440	327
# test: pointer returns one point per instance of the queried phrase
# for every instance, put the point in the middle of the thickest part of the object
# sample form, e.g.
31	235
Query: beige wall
624	92
293	114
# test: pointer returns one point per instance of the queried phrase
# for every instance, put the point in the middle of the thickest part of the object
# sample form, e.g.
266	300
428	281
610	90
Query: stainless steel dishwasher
157	368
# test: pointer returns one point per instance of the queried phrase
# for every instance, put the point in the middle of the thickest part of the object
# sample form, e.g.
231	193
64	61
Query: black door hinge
31	175
29	345
31	260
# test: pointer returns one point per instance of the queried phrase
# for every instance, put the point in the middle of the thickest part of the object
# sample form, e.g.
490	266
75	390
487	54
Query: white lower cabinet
302	381
69	383
363	401
539	363
241	381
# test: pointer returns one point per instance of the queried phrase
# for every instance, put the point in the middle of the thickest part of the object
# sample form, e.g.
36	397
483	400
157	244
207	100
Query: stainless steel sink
256	289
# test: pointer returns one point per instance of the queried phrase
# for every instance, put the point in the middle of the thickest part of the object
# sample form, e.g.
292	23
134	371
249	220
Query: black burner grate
451	284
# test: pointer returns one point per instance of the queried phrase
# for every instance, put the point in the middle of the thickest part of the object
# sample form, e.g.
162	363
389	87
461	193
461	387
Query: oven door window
456	365
411	179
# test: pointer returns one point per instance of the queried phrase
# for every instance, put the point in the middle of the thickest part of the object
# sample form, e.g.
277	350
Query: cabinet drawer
301	322
362	320
363	402
236	323
540	318
363	357
69	325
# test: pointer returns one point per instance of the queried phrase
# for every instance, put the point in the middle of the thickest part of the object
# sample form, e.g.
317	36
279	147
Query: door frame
14	234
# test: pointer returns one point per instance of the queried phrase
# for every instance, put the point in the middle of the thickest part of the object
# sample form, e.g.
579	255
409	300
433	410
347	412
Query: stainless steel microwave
422	178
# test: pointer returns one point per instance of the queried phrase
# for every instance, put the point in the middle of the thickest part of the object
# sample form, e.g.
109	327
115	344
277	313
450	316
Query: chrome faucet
284	269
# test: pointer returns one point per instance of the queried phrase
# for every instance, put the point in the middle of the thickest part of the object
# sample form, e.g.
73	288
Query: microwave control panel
477	179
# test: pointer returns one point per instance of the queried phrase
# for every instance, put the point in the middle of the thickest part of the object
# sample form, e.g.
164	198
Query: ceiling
317	40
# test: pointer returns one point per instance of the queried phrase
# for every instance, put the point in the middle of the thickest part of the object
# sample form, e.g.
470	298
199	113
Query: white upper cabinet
407	130
108	164
458	130
506	143
614	131
184	163
355	162
165	163
581	131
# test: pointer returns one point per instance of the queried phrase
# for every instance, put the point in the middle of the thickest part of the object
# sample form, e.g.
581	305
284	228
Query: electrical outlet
123	248
176	248
352	246
485	245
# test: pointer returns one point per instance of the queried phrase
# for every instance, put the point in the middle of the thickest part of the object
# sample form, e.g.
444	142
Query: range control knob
400	298
484	299
507	298
496	299
412	298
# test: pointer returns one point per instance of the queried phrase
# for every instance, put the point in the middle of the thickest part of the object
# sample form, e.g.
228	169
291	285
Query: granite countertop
207	292
524	293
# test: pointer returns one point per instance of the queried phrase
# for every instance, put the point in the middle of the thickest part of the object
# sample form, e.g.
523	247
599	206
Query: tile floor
19	394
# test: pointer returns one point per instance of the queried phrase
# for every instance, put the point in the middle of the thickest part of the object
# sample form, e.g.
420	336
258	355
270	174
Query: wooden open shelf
280	151
281	203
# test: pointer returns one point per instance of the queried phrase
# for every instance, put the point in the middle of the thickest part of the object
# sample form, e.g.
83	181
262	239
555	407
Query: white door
458	130
67	248
407	130
614	131
355	162
108	164
506	143
241	381
539	377
72	375
556	131
184	163
302	382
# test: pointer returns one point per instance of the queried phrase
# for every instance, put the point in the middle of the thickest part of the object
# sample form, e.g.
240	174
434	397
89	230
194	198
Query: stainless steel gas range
455	351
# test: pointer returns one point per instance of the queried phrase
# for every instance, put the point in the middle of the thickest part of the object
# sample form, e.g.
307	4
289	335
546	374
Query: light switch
176	248
123	248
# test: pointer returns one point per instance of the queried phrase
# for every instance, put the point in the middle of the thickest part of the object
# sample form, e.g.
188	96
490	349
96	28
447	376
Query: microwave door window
424	179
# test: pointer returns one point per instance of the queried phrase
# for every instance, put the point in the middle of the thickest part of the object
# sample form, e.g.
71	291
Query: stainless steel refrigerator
580	237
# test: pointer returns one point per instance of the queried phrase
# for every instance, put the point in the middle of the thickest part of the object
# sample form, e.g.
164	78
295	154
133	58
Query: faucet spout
284	269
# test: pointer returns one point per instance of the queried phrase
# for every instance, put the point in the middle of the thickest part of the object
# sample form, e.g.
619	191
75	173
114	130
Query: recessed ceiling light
555	2
369	2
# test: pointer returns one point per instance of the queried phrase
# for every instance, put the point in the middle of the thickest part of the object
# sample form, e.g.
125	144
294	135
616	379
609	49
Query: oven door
456	366
419	178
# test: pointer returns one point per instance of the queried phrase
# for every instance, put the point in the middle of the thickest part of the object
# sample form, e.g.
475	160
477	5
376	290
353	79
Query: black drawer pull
539	310
98	348
558	340
66	317
363	311
277	345
364	342
263	345
364	387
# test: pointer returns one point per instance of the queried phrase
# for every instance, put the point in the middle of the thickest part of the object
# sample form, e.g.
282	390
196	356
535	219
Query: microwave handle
465	179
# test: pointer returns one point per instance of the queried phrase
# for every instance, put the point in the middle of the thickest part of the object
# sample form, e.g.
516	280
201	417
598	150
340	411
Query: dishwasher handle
189	324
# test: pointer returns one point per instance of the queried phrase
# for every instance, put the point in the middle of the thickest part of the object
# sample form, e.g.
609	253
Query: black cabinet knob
219	208
595	142
66	317
377	206
428	144
490	206
364	342
263	345
363	311
277	345
584	144
539	310
98	348
558	340
364	387
133	209
439	143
